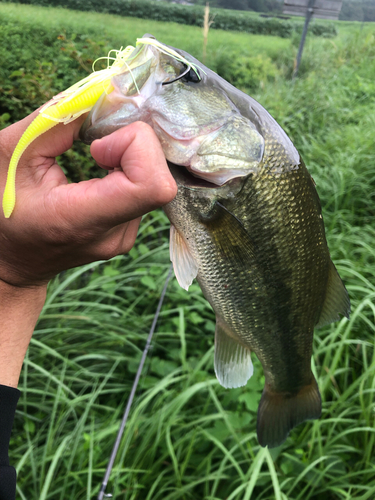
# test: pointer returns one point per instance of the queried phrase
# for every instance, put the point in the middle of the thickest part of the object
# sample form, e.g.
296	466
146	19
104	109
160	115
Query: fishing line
102	493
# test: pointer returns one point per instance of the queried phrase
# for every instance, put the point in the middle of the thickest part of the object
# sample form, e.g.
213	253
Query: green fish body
247	223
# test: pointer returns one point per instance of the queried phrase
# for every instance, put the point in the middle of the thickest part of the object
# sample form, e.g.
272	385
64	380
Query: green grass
122	31
187	437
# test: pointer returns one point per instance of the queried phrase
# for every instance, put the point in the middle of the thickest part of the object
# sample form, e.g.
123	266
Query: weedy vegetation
188	438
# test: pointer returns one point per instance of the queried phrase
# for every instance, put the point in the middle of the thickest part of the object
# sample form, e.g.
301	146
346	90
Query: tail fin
278	413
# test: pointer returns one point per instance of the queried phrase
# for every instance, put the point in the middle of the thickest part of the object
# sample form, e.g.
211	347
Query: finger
12	134
38	160
48	145
55	141
117	241
137	150
144	183
34	158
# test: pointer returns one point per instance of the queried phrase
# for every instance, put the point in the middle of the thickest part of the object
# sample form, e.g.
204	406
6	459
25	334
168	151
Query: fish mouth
186	178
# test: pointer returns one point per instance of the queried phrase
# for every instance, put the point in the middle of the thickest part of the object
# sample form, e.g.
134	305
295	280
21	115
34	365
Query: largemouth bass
246	223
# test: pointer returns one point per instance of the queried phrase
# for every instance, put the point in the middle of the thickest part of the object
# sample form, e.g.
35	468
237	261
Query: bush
247	73
38	63
325	30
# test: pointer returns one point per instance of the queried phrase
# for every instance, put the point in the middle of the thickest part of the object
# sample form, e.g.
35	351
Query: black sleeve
8	403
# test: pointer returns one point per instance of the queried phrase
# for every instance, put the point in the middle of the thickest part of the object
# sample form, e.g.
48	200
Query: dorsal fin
336	301
184	265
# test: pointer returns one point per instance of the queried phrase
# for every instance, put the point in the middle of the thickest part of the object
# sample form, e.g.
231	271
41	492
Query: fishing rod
102	494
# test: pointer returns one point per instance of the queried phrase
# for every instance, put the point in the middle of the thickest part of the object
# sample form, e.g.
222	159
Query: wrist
19	312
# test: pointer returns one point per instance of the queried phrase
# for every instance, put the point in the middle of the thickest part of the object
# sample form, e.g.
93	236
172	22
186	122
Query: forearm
19	311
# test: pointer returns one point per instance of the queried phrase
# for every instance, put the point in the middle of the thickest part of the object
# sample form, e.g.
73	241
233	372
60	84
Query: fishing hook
196	78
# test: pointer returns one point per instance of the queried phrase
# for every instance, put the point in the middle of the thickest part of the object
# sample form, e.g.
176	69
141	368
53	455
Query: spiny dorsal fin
233	366
279	413
336	301
184	265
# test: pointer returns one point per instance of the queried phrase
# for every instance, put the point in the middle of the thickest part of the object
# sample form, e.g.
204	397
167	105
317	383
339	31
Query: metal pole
309	13
102	494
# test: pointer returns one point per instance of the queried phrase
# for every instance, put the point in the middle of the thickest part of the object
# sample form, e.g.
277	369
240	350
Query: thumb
140	183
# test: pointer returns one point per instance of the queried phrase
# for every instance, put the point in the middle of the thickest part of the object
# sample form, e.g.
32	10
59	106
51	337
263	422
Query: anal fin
233	366
336	300
184	265
279	413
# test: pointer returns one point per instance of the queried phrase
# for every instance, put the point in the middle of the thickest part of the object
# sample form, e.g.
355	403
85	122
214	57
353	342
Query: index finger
50	143
37	127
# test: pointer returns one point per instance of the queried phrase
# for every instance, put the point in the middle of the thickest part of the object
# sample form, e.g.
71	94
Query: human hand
56	225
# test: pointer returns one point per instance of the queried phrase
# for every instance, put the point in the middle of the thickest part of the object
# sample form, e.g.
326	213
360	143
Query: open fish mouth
184	176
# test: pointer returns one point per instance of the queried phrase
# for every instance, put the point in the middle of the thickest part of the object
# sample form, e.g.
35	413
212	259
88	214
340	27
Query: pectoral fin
336	301
184	265
233	366
237	247
230	235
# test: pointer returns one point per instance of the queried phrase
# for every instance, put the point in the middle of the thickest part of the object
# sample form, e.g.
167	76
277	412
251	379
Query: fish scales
283	287
246	222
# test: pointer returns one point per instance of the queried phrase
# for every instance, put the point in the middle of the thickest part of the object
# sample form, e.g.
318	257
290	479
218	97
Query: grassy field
122	31
187	437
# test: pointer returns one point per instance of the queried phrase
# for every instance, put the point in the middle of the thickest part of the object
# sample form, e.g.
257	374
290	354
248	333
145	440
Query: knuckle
118	245
108	251
164	193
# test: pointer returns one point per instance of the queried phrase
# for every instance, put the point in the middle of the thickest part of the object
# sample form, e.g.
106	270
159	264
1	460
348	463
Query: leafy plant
246	72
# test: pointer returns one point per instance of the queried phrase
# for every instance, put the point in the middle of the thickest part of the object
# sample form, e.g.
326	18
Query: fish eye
191	76
188	75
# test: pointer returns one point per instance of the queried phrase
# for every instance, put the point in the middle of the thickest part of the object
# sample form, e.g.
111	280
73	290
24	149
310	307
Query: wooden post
309	13
206	26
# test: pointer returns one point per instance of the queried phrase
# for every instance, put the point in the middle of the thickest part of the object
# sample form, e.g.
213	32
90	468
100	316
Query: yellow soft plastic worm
61	112
64	108
72	103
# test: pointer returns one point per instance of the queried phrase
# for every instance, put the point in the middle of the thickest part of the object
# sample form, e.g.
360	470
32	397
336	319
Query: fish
246	223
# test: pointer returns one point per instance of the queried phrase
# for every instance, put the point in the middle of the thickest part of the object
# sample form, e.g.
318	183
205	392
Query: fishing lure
75	101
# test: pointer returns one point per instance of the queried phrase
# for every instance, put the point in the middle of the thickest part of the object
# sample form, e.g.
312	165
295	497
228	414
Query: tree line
352	10
275	6
358	10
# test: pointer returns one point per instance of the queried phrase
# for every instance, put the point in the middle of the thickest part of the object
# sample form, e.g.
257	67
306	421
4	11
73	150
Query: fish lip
186	178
